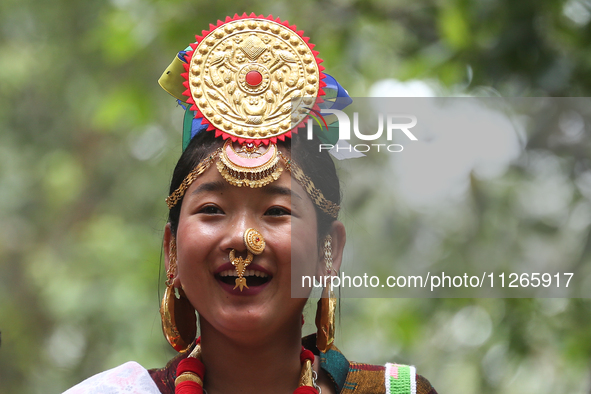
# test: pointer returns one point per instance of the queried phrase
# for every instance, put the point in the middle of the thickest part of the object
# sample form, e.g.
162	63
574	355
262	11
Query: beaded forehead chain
249	80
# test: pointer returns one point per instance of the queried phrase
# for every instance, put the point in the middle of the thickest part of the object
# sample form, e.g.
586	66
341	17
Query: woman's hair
316	165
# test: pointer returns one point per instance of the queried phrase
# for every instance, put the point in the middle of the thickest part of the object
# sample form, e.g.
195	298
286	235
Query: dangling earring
327	305
179	322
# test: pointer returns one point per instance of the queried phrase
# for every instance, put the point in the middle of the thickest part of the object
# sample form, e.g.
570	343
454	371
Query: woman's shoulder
387	379
128	378
351	377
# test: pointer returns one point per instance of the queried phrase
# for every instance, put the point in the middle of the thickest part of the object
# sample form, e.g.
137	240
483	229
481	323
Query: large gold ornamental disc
245	74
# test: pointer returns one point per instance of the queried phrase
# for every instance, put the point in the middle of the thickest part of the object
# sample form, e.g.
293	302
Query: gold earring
179	323
327	305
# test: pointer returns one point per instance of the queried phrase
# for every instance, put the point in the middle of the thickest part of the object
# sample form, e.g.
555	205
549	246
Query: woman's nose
234	239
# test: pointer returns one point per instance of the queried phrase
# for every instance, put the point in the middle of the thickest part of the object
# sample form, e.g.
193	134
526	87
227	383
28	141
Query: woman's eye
211	210
277	211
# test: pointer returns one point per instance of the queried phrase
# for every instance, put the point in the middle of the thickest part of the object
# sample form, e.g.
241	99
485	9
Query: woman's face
213	218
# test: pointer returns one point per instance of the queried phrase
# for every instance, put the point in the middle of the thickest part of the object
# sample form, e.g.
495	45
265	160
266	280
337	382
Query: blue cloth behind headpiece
336	96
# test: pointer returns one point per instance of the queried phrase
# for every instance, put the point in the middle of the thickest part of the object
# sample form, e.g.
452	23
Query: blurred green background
88	141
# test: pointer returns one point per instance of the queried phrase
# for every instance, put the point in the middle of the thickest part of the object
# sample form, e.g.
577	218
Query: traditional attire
128	378
348	377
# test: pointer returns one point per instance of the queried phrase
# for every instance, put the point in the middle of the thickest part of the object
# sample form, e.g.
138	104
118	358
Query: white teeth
228	273
255	273
246	273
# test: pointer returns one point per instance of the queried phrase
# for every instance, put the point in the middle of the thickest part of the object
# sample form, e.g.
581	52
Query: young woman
240	229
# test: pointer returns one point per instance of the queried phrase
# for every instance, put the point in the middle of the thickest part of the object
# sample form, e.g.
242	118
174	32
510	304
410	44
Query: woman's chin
251	326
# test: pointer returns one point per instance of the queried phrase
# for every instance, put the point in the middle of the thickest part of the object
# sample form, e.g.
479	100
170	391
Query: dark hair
316	165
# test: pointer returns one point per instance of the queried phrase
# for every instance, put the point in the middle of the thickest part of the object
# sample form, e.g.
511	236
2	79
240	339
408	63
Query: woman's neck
251	364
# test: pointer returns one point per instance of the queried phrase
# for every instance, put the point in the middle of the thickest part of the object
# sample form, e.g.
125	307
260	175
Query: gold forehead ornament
327	206
250	166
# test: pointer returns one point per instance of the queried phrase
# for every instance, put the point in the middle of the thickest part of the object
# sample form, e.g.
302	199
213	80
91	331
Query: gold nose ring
254	241
255	245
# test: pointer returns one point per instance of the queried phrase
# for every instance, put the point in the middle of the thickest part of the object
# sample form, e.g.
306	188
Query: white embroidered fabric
129	378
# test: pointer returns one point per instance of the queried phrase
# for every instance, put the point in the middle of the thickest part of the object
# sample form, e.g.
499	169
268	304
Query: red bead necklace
190	373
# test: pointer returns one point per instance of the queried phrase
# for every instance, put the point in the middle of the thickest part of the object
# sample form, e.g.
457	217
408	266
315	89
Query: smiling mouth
253	277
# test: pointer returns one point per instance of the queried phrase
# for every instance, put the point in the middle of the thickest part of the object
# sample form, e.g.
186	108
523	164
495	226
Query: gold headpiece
249	79
243	74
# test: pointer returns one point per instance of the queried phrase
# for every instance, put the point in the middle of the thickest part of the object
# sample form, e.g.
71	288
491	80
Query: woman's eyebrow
210	187
281	190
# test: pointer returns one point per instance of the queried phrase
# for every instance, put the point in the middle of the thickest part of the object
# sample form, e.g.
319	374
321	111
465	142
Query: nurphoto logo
394	123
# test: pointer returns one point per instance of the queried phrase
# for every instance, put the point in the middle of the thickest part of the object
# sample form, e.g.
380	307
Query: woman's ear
167	246
339	237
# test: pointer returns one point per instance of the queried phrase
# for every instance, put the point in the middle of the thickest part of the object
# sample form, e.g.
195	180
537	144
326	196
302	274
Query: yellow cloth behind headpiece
171	79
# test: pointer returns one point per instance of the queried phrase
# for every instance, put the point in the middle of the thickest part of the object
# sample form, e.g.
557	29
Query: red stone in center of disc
254	78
